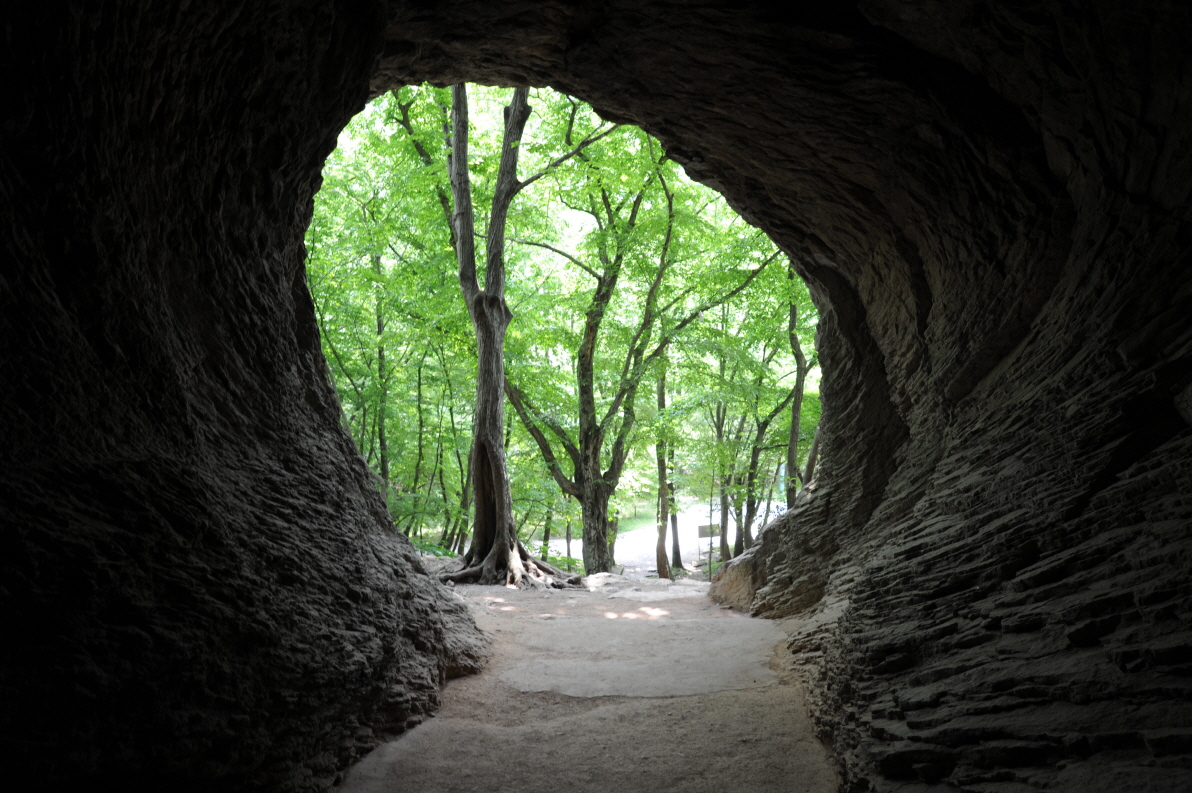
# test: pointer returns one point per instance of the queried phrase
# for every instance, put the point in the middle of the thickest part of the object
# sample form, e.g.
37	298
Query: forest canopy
657	339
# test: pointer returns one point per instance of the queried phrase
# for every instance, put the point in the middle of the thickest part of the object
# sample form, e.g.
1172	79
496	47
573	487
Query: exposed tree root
514	567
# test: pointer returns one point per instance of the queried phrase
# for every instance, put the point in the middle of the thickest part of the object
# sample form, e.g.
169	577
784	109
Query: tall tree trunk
726	551
550	514
496	555
770	493
382	408
745	529
732	478
792	444
448	518
720	414
660	560
711	501
435	473
465	508
363	430
676	557
414	513
593	502
809	471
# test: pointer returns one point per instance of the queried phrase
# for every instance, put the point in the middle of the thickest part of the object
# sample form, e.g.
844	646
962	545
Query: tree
496	555
745	391
636	246
795	477
664	492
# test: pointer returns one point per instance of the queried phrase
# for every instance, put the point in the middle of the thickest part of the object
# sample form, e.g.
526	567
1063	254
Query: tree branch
585	143
463	221
564	254
507	187
517	399
427	160
640	370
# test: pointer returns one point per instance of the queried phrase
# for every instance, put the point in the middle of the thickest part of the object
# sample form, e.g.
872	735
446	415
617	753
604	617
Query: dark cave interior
989	201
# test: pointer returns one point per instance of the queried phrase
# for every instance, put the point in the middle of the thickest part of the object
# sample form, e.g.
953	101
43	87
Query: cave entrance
660	344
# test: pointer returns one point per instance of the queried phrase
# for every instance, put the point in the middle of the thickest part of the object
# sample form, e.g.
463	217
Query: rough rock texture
197	590
989	200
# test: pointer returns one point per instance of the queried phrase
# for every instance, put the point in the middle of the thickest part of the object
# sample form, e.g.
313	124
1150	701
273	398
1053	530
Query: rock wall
197	588
989	201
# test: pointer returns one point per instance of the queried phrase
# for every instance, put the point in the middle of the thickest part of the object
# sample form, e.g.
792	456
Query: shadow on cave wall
991	208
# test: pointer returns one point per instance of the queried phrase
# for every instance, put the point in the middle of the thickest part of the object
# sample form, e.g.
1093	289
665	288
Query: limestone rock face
991	205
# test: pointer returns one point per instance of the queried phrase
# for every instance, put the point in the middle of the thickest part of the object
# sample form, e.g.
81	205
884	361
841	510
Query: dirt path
635	686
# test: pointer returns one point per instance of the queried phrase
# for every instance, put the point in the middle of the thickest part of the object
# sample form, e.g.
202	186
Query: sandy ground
631	686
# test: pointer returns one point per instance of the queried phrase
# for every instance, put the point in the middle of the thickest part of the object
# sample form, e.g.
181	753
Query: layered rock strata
199	588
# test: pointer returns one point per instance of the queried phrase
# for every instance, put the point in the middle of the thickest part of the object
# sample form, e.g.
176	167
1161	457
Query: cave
989	201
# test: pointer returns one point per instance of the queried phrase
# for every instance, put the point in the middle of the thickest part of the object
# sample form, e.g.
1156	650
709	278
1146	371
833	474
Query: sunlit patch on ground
648	613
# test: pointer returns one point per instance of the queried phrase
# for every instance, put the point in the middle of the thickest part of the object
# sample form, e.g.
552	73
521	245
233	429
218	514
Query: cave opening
608	250
991	208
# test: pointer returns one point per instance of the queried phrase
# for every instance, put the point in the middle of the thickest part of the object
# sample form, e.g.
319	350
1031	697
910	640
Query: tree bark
414	509
676	557
809	471
770	493
719	415
661	562
761	427
731	479
792	445
382	440
550	514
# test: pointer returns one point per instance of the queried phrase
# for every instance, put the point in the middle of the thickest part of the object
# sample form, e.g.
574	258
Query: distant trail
635	686
635	549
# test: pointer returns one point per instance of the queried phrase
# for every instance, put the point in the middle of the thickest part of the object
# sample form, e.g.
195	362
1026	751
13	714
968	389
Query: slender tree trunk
731	479
770	493
550	514
809	471
568	536
418	459
726	551
711	500
435	473
465	508
448	520
593	502
382	380
461	539
363	430
745	529
660	560
676	557
792	446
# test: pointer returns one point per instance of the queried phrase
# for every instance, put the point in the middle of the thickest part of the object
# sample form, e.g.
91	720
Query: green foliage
400	346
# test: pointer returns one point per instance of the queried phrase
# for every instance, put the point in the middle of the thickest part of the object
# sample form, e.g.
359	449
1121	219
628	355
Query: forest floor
630	685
